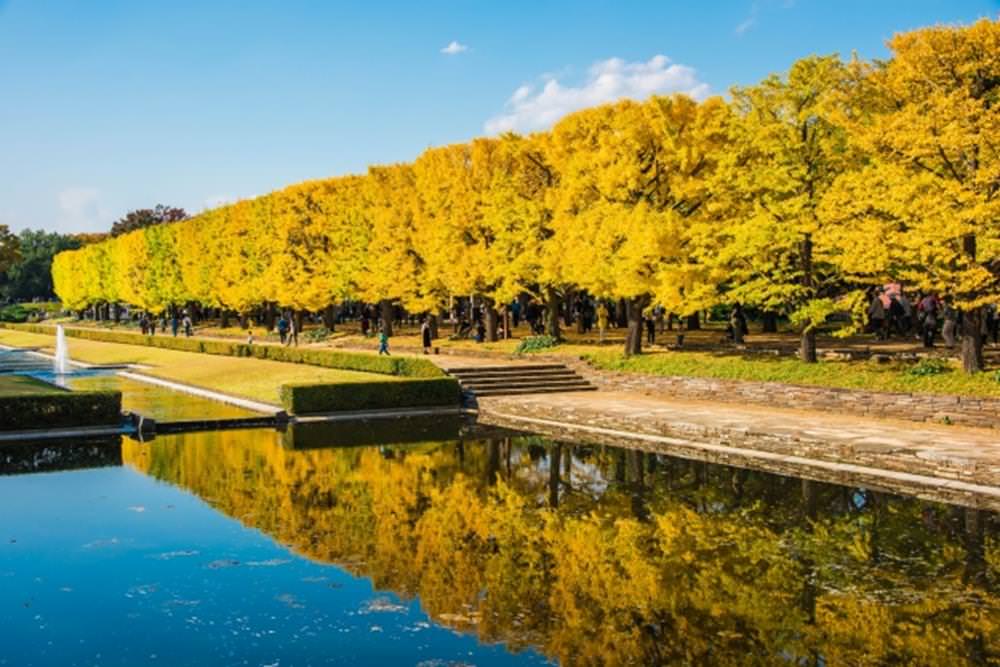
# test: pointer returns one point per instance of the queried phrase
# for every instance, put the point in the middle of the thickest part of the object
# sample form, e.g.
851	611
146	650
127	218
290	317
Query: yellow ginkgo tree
928	120
632	176
772	247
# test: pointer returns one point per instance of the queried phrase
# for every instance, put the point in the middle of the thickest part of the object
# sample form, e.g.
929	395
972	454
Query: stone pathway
948	463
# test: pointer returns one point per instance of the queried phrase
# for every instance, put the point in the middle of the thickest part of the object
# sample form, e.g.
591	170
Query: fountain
62	354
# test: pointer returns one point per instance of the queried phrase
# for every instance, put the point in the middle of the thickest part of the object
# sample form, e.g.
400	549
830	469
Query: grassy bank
27	403
313	356
869	375
259	379
21	385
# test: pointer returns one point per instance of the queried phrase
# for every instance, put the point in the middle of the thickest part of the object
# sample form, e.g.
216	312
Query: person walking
282	328
175	324
737	324
188	326
950	318
293	333
602	320
876	315
928	312
896	315
650	329
425	335
383	342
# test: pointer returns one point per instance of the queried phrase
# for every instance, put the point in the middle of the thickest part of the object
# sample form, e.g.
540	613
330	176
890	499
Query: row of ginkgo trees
793	196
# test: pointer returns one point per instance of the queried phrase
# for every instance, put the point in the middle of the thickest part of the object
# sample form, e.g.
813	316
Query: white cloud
534	108
745	25
454	48
81	210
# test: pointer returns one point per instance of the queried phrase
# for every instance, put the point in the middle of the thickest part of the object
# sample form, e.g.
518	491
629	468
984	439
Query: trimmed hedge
60	409
348	361
306	398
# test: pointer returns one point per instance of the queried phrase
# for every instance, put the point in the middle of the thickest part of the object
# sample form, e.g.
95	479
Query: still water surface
261	548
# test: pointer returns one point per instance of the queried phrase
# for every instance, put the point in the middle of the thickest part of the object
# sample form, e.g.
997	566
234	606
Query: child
250	337
383	343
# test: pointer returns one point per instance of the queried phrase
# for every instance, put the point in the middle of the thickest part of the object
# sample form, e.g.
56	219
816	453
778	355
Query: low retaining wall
967	411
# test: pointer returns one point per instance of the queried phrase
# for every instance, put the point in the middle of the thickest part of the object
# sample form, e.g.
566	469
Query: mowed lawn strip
865	375
260	379
21	385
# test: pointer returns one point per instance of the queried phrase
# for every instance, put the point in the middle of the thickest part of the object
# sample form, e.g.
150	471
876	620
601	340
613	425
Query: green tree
9	248
30	277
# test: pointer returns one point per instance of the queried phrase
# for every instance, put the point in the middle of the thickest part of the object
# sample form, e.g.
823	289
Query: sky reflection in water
251	549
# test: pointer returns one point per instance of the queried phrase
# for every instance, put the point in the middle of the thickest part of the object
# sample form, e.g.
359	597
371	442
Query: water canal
267	548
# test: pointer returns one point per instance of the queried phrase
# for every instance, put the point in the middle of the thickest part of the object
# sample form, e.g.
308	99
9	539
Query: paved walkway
947	463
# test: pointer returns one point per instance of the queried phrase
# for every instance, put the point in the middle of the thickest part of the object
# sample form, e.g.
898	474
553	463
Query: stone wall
967	411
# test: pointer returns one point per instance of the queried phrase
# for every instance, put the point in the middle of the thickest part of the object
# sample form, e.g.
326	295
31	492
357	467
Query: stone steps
519	379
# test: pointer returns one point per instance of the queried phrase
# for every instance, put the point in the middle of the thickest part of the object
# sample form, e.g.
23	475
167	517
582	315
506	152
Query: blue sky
119	104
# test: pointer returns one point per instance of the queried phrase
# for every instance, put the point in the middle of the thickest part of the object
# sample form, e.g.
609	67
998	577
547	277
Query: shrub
13	313
535	343
306	398
317	335
350	361
926	367
61	409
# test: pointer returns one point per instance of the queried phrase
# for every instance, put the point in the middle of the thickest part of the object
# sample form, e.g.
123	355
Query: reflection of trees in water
607	556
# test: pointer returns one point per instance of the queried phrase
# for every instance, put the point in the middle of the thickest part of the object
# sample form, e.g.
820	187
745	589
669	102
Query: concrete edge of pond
62	433
937	489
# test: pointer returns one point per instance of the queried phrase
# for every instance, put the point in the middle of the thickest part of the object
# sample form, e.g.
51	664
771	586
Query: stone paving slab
946	455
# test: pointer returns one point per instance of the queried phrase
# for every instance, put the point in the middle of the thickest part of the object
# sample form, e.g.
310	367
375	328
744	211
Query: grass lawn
21	385
259	379
846	374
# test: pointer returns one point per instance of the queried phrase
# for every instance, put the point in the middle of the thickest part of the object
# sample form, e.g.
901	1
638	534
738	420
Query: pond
141	397
263	548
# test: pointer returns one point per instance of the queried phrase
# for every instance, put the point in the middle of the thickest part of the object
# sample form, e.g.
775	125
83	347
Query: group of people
893	313
148	323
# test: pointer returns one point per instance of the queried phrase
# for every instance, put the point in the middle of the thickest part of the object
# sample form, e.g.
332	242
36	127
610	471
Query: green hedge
306	398
61	409
350	361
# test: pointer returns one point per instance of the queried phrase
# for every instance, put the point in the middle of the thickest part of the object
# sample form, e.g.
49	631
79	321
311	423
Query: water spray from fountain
62	354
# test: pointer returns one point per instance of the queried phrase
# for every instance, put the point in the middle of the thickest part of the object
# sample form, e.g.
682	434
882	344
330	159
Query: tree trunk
807	346
972	341
491	321
492	461
770	322
552	313
972	321
225	319
299	317
244	320
269	316
330	317
386	313
554	480
621	314
568	314
633	341
693	322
